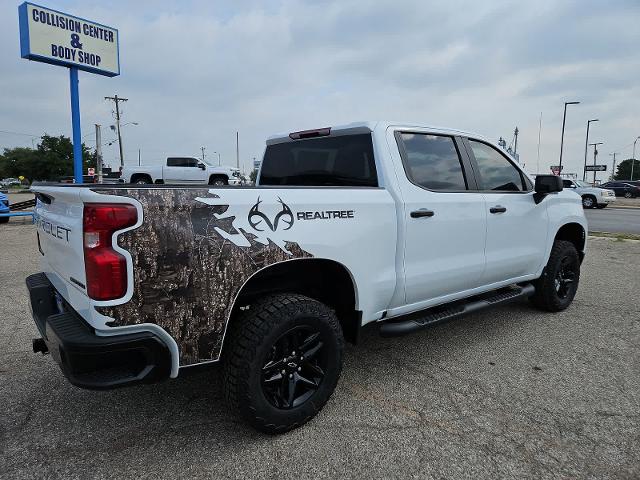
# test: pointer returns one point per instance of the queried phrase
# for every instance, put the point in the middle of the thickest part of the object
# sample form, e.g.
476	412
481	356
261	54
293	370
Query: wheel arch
218	175
575	233
136	176
325	280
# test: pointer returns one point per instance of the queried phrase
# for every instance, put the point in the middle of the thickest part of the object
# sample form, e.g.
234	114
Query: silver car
592	197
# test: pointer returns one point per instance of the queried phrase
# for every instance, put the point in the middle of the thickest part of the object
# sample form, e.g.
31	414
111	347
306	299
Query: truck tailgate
58	217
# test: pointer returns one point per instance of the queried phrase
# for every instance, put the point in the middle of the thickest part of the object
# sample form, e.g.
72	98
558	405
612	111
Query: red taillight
106	269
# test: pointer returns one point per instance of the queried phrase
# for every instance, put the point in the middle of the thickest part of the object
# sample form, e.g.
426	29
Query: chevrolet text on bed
416	225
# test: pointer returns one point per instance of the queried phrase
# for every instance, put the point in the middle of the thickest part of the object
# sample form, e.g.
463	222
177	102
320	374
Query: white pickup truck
402	226
181	170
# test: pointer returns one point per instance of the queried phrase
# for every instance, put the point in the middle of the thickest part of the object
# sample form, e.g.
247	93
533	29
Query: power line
20	133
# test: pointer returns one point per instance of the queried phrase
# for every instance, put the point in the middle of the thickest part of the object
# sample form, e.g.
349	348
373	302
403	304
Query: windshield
581	184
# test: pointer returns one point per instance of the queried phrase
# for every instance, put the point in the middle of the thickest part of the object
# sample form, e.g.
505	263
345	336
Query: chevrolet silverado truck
397	225
181	170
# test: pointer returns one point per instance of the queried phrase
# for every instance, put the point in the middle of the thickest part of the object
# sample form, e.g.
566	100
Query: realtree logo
257	219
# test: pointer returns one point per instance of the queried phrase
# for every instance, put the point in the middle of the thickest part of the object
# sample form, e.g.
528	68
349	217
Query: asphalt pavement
614	220
508	393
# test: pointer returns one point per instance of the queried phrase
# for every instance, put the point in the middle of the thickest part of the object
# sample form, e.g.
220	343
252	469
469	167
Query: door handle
498	209
423	212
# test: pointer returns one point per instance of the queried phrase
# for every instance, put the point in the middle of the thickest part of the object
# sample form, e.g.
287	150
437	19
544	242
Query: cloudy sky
195	72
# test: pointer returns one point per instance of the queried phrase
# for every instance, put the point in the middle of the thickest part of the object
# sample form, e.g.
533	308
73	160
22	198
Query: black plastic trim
92	361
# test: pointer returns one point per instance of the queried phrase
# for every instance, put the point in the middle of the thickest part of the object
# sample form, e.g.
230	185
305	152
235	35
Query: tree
52	159
623	172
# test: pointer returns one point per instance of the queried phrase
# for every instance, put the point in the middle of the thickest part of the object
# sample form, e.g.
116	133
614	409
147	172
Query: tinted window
432	161
182	162
345	160
567	183
496	172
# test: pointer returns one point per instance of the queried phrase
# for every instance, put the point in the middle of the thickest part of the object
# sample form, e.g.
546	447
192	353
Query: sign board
556	169
91	171
596	168
54	37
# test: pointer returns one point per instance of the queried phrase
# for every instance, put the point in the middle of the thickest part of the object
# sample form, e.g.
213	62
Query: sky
197	72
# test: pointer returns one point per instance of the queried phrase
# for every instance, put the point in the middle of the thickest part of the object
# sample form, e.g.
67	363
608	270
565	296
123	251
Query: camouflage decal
186	269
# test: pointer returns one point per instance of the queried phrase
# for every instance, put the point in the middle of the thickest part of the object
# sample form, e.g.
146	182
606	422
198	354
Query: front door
193	172
445	222
516	225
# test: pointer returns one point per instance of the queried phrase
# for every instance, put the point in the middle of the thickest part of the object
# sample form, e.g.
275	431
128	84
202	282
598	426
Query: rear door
445	221
173	172
516	225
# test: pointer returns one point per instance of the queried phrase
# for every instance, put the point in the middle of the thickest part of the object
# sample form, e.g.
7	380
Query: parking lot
507	393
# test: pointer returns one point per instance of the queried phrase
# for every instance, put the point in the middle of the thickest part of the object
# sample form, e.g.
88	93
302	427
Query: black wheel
558	284
283	361
4	219
142	181
628	195
601	205
218	181
588	201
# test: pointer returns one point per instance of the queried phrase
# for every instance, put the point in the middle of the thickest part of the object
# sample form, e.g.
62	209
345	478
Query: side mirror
201	166
546	184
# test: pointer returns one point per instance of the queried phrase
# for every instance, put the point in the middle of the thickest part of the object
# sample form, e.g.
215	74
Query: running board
443	313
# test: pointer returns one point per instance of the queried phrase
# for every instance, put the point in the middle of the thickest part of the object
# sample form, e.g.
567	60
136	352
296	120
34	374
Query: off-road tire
251	338
546	296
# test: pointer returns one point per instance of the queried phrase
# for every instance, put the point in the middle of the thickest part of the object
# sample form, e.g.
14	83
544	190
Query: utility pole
515	141
586	142
595	155
238	150
564	120
539	135
99	153
202	149
613	168
117	101
138	157
633	160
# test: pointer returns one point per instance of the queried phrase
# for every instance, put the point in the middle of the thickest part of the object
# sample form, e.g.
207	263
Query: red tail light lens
106	269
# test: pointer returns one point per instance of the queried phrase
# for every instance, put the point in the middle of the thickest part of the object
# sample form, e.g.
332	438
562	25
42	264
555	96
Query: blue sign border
25	47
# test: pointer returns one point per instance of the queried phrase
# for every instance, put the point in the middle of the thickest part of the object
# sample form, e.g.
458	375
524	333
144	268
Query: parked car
10	182
181	170
4	207
623	189
386	223
592	197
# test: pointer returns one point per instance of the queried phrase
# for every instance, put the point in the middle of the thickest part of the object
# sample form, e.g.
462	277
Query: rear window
327	161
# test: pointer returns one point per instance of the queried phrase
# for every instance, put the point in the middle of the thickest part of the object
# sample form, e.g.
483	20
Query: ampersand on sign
75	41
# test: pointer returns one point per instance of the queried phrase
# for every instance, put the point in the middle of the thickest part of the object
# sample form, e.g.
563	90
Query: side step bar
443	313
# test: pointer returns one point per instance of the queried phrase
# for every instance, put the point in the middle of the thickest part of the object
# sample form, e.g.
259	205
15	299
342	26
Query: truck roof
370	126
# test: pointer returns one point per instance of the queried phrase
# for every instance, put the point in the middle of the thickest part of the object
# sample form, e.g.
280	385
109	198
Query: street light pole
219	162
595	154
633	160
564	120
586	142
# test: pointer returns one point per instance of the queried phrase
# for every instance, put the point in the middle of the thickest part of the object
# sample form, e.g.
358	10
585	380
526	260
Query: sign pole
75	123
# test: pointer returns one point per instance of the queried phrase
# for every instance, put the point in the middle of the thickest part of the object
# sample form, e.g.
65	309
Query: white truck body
181	170
192	254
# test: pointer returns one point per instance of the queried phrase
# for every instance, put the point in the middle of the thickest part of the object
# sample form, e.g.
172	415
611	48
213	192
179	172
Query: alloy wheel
565	277
294	368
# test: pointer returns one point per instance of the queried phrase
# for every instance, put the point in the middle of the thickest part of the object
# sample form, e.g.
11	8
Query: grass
619	237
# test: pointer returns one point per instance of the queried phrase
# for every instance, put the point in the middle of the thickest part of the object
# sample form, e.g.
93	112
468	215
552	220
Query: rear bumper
86	359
